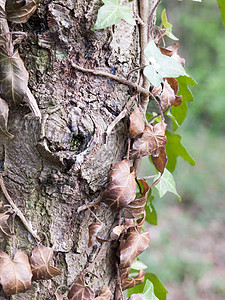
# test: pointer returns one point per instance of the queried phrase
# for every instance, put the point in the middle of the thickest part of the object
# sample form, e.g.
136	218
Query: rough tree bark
52	168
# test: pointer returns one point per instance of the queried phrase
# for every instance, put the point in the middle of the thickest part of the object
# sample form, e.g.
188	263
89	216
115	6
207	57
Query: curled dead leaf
174	84
80	291
105	295
172	52
151	140
116	232
121	189
160	160
130	282
132	244
93	229
15	276
4	227
137	123
135	208
20	12
40	258
167	97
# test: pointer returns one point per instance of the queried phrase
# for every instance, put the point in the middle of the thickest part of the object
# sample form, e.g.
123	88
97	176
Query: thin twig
135	86
92	204
119	280
157	102
96	258
94	215
134	70
17	211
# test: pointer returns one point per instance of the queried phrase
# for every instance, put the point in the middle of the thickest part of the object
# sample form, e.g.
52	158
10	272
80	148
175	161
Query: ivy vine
167	87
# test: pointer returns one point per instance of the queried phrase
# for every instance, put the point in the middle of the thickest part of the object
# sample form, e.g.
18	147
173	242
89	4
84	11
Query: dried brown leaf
178	101
136	207
116	232
137	123
13	77
132	244
161	160
130	282
138	296
22	11
15	276
93	229
80	291
2	208
105	295
40	258
140	222
156	91
121	189
124	273
4	227
172	52
149	143
174	84
167	97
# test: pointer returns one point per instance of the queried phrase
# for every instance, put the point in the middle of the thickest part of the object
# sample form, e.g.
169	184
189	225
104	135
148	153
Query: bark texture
52	168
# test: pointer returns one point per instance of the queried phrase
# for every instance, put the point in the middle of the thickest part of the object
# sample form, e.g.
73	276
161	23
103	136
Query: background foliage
186	249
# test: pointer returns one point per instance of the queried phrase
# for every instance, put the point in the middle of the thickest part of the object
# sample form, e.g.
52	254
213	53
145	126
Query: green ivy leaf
221	4
180	112
167	184
111	13
168	26
161	65
148	292
151	215
159	290
174	148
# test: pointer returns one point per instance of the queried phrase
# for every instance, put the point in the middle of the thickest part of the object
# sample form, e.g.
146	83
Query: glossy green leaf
22	11
167	184
180	112
151	215
221	4
161	65
168	26
174	148
111	12
159	290
13	77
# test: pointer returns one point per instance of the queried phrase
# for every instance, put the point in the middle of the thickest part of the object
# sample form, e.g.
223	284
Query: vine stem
150	18
17	211
135	86
160	109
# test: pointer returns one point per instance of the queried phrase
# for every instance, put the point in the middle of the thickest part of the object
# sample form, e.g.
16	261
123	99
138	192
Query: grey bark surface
53	167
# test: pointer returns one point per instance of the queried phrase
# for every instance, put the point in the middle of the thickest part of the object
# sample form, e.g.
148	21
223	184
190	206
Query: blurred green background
187	248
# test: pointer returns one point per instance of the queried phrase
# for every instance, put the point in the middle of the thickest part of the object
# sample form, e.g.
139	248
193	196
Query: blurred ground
187	249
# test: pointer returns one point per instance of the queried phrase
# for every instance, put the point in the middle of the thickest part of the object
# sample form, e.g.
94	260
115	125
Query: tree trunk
53	167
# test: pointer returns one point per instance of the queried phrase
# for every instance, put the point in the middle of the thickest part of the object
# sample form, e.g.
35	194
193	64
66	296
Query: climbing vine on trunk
157	100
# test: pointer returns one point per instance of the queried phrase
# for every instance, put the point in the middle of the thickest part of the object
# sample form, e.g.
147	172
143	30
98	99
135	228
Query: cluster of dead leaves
167	91
148	139
13	74
120	194
16	275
